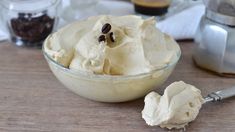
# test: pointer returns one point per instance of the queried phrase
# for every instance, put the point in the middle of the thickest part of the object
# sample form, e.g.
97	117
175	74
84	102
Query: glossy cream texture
138	48
179	105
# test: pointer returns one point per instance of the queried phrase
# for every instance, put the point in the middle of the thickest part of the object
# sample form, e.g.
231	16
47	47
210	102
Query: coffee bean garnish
106	28
112	37
101	38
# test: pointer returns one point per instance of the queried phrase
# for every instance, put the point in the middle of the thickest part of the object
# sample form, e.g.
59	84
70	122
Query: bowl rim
109	77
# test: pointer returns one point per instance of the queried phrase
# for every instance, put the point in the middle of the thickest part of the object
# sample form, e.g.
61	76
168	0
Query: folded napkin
181	25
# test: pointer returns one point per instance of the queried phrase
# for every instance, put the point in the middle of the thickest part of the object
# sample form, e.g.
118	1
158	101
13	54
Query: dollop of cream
138	47
179	105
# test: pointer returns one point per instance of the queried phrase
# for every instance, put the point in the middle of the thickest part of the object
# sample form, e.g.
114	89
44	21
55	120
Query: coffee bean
106	28
21	15
112	37
101	38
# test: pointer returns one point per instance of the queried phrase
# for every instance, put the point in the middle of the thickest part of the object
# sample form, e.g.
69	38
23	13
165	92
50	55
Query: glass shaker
215	38
29	22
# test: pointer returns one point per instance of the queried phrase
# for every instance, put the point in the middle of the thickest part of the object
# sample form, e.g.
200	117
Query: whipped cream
179	105
138	47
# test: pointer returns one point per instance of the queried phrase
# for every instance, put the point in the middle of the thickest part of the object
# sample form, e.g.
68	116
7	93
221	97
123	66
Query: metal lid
220	18
221	11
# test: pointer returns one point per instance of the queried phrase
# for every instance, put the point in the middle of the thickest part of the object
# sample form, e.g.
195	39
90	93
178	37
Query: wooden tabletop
33	100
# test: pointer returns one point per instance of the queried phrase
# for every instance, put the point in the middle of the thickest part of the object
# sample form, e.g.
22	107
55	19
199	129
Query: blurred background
63	12
209	22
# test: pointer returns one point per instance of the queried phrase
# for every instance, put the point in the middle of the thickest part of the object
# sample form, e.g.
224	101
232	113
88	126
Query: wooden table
33	100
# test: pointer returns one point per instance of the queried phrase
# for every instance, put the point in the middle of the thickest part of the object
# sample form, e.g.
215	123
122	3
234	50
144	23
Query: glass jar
151	7
29	22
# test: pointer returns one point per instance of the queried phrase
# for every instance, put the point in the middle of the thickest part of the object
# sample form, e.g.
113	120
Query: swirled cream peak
135	46
179	105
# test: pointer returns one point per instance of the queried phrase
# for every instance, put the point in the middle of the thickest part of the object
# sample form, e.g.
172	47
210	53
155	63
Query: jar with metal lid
215	37
29	22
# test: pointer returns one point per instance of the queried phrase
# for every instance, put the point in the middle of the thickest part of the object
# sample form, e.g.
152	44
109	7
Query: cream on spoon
179	105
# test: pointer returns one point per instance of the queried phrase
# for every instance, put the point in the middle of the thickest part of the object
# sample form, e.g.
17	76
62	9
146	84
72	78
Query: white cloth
184	24
181	25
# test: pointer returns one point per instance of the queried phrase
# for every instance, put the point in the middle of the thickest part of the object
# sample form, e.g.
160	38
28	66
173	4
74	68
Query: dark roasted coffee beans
101	38
106	28
32	27
112	38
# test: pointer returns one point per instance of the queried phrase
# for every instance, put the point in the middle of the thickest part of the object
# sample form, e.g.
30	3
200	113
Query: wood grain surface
33	100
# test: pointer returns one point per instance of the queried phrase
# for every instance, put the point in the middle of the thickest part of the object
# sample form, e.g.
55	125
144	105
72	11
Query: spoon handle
220	95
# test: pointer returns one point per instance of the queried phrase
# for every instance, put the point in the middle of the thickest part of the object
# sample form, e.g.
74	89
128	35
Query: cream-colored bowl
107	88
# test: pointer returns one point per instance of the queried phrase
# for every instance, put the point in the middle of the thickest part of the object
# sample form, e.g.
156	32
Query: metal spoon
220	95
